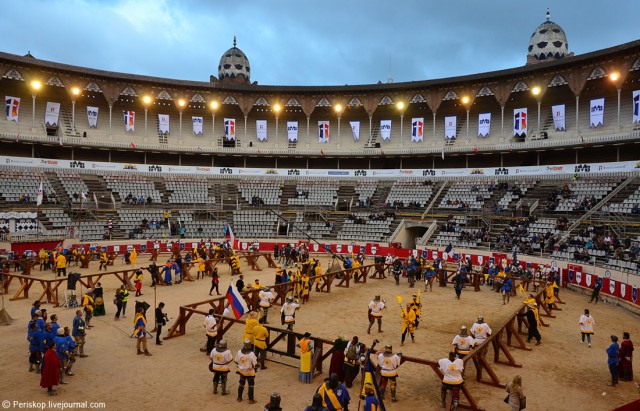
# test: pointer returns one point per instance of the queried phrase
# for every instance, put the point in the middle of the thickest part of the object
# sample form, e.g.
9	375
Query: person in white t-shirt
480	330
586	326
452	369
375	312
266	298
463	343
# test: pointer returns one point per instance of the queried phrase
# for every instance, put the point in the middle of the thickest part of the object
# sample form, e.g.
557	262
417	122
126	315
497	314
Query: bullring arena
387	169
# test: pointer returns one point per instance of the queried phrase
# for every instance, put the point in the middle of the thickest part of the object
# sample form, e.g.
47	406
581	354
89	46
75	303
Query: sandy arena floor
561	374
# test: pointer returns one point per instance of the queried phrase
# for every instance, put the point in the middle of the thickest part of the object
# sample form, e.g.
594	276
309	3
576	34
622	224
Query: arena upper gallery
557	100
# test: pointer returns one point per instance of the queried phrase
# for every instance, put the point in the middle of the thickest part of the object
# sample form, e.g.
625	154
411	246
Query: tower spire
235	42
548	14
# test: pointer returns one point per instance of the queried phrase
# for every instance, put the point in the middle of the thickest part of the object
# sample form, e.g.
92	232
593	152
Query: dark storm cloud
303	42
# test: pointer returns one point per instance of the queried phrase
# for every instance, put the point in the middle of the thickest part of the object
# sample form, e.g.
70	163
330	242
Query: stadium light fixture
338	108
181	102
35	86
276	108
146	100
614	77
75	91
214	107
400	105
535	90
465	100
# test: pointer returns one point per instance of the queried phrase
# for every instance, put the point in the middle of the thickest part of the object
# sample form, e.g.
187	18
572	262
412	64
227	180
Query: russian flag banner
236	302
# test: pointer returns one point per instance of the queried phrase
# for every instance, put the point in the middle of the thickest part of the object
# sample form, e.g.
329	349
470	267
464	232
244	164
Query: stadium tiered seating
315	192
371	230
413	191
26	182
630	205
514	192
458	235
199	228
467	194
131	219
73	184
365	190
584	191
188	190
86	230
315	229
254	224
269	191
136	185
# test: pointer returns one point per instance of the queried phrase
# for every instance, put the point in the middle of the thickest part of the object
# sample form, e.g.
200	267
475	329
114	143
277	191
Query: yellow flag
520	289
399	299
555	285
486	277
419	293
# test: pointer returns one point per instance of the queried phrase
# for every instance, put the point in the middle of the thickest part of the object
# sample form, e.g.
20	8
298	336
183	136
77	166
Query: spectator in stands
154	223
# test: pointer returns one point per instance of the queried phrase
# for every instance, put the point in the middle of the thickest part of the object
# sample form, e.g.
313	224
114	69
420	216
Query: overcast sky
306	42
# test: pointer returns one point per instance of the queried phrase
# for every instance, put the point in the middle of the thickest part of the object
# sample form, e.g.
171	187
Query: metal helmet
265	289
289	299
463	330
388	348
376	297
480	318
222	344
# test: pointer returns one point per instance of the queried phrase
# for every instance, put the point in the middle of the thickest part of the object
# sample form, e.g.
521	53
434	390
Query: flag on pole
236	302
133	145
520	289
18	138
449	250
228	233
83	196
370	382
40	195
443	153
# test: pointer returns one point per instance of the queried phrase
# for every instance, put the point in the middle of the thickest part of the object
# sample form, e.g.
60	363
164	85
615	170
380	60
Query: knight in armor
375	312
265	296
288	312
389	363
247	366
221	357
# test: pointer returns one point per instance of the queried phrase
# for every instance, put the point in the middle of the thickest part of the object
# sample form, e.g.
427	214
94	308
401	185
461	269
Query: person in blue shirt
34	336
596	290
62	350
507	286
613	358
54	324
79	333
47	337
334	394
39	320
71	344
36	306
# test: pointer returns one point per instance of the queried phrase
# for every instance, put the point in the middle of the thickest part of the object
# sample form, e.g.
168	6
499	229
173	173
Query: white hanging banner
520	122
355	130
230	128
197	125
558	117
450	127
417	129
13	108
323	131
596	113
636	106
163	123
52	114
385	129
92	116
261	130
484	124
292	130
129	120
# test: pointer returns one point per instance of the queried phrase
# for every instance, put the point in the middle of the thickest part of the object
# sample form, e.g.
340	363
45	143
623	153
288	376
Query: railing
595	208
434	199
396	231
427	235
533	207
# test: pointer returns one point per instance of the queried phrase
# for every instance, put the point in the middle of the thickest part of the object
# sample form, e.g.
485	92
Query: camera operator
161	319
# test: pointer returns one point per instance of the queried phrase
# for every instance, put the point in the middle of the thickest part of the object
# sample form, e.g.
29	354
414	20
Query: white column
213	125
619	90
401	126
110	117
539	104
577	114
180	131
276	131
502	121
467	125
33	112
145	121
73	114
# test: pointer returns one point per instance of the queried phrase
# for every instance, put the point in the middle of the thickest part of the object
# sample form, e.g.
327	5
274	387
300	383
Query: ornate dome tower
234	65
548	42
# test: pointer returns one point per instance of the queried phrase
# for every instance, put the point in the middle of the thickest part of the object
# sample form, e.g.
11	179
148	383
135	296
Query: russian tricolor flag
236	302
